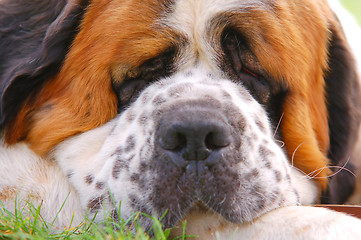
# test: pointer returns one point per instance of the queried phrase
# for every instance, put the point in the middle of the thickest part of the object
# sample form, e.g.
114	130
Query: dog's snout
193	136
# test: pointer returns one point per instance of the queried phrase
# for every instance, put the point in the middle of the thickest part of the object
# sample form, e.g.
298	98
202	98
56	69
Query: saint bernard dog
231	115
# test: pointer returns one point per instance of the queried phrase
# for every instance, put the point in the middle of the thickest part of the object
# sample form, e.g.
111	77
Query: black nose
193	136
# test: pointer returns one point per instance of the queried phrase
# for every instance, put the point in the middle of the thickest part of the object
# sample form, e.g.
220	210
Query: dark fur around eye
151	70
242	65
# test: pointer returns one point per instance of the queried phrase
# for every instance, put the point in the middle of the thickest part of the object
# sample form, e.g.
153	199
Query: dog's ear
344	105
35	37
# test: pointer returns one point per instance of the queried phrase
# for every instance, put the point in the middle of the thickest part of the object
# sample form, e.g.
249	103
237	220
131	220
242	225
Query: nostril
181	142
173	140
216	140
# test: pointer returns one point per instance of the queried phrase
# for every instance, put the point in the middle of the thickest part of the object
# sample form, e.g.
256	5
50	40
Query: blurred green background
354	6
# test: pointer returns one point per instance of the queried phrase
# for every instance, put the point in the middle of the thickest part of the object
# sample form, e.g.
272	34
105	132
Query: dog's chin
199	207
201	221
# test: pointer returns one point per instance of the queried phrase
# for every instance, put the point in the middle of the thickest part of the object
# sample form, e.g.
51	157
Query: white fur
30	178
296	223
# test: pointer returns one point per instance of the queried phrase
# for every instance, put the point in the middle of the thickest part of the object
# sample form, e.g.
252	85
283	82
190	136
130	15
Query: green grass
27	223
354	6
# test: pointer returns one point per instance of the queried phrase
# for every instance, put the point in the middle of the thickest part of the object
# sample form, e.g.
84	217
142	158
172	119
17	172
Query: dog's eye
242	64
256	84
129	91
136	79
249	72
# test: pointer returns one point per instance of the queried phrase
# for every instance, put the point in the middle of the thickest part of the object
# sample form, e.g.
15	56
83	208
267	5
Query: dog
230	115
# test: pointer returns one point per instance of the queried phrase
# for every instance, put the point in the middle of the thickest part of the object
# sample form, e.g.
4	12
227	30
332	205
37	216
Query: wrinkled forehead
200	24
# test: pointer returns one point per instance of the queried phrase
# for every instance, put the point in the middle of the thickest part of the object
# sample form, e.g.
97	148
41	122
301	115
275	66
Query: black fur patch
130	143
89	179
344	106
35	37
95	203
99	185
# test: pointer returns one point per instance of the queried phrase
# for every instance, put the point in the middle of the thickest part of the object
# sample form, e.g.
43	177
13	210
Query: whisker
275	131
282	142
315	173
303	173
278	124
340	168
294	153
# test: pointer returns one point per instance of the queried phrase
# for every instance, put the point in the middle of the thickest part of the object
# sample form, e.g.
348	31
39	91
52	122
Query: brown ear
321	115
344	107
35	37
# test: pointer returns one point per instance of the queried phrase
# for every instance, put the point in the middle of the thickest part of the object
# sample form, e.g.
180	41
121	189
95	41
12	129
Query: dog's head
217	102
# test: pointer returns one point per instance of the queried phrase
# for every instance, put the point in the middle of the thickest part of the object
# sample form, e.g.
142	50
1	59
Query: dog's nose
194	136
